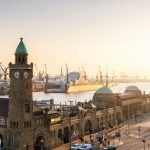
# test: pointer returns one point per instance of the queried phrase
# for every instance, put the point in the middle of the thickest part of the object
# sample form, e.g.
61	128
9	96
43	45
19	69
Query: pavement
132	140
136	139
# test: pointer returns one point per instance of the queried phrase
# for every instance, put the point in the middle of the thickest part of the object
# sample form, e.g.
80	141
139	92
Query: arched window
27	108
11	124
14	125
30	123
19	59
25	125
23	59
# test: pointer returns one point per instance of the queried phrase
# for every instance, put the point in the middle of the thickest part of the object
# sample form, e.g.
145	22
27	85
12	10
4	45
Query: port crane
105	77
4	70
38	73
36	70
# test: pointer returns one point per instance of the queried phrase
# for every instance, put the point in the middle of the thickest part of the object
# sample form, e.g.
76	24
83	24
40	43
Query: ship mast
100	76
61	72
67	74
84	73
106	76
45	70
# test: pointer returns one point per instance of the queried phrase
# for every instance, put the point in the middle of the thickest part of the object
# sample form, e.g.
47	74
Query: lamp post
70	124
113	137
139	129
143	140
128	120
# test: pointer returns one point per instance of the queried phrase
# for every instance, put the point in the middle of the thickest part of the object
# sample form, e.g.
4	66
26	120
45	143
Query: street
128	140
136	139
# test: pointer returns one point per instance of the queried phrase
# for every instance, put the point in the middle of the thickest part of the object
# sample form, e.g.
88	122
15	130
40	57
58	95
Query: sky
88	33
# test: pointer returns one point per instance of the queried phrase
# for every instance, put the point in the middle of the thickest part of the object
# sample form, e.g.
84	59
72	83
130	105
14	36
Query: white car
85	147
75	146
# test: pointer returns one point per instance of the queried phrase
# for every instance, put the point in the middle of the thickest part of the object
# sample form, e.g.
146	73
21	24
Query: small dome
21	49
132	88
104	90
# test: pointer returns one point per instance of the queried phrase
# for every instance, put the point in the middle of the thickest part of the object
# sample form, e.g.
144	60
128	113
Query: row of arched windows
14	124
27	124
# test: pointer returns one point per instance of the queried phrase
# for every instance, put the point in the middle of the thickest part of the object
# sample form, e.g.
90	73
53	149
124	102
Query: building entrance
39	143
66	135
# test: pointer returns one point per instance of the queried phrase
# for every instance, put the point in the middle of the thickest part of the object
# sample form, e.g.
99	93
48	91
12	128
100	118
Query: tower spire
21	53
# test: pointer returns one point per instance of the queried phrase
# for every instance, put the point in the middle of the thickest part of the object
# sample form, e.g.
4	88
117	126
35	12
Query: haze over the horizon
85	33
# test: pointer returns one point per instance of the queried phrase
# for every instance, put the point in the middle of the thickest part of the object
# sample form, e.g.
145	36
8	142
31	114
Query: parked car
110	147
85	147
75	146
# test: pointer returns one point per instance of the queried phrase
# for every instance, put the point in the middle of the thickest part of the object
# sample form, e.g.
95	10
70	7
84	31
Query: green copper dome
21	49
104	90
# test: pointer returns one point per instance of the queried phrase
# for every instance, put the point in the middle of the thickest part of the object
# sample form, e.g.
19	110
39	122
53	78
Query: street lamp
143	140
128	119
113	137
139	129
70	124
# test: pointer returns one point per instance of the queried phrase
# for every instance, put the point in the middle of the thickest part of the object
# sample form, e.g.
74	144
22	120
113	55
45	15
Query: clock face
16	74
25	74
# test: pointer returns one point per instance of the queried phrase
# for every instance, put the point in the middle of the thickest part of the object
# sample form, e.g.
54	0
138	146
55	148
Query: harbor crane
36	70
5	70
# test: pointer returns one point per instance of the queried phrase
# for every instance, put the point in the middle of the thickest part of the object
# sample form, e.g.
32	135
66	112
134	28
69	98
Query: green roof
21	49
104	90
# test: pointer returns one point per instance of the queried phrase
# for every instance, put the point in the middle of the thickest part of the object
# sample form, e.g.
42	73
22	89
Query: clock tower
20	100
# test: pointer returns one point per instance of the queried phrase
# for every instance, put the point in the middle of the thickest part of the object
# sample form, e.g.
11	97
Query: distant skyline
80	33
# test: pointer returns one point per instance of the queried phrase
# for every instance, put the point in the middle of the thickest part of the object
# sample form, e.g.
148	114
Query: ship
55	84
4	87
75	82
83	85
38	83
77	88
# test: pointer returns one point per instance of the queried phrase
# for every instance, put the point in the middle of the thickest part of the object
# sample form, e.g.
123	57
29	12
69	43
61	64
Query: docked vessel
55	84
38	86
74	82
83	85
4	87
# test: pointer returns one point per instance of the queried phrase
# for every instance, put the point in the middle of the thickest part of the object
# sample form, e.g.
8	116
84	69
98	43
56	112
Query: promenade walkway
128	141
